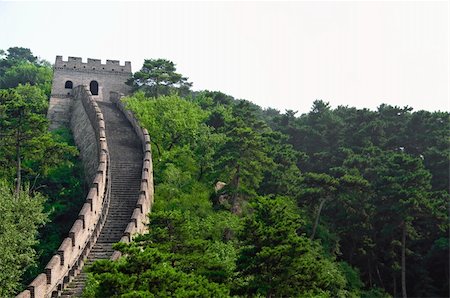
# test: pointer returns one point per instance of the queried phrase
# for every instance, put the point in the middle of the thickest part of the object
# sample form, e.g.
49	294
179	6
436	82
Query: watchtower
100	78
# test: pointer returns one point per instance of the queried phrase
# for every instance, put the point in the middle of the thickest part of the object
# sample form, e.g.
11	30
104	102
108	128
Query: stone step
126	165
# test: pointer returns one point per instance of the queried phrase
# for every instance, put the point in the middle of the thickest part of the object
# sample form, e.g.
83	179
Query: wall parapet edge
77	64
70	256
139	220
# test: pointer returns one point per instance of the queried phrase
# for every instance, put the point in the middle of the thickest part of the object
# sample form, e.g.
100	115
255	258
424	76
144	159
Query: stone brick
85	139
110	76
38	287
54	271
85	216
130	231
65	252
142	203
24	294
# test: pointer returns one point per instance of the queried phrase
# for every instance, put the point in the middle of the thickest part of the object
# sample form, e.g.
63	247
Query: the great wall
116	155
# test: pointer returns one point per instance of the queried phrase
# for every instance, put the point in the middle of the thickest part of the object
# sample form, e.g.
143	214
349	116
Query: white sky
276	54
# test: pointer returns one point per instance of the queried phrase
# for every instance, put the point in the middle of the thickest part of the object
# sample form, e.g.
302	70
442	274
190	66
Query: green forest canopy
41	184
338	202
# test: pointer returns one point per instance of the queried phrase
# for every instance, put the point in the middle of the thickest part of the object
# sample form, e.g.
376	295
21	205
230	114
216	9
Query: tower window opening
68	85
93	86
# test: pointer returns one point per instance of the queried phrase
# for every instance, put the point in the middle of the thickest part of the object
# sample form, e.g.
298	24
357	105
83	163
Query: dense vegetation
338	202
40	176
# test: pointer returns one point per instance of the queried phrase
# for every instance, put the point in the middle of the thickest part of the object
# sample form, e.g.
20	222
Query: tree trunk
200	175
352	249
235	198
379	275
156	89
394	294
316	222
174	141
18	169
157	148
404	261
270	290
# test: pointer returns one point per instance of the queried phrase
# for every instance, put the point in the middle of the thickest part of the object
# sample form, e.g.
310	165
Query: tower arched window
68	85
93	86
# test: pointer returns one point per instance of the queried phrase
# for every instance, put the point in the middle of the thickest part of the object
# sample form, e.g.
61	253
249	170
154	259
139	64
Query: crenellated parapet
88	126
138	223
71	254
92	65
101	79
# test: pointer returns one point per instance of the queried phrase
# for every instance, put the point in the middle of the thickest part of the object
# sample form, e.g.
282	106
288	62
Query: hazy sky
278	54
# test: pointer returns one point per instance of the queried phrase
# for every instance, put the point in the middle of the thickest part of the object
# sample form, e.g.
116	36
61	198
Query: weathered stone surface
126	157
114	149
110	77
24	294
38	286
219	186
84	136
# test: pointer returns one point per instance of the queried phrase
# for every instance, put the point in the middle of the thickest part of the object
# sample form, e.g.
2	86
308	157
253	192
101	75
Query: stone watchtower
100	78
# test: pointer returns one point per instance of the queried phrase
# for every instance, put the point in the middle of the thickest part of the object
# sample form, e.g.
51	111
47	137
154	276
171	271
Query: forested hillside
41	184
338	202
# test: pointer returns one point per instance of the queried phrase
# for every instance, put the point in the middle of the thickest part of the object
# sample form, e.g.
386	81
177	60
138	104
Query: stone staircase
126	156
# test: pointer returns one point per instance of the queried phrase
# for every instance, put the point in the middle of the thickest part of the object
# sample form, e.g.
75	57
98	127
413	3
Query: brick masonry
80	108
85	139
110	76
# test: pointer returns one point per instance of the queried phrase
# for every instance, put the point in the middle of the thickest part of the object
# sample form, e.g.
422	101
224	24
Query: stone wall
85	139
59	110
139	219
71	254
110	77
88	127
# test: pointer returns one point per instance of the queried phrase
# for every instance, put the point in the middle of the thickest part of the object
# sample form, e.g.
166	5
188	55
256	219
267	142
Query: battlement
92	65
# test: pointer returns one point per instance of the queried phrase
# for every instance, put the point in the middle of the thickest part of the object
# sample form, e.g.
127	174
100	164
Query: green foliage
276	261
389	170
375	293
158	77
325	204
22	215
21	125
26	145
19	66
354	284
171	121
63	186
148	274
242	158
178	258
284	176
30	155
17	54
27	73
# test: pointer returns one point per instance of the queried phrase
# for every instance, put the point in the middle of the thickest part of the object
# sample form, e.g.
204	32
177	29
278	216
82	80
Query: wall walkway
118	202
